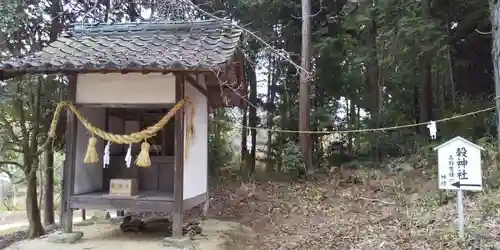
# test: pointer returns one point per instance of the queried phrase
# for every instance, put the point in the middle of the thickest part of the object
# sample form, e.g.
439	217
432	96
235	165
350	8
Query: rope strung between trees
143	159
362	130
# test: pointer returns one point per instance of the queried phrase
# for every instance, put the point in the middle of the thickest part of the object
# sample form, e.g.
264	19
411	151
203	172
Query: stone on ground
178	243
68	238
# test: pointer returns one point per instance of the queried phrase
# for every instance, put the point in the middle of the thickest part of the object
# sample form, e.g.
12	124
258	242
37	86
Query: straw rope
364	130
142	136
142	160
135	137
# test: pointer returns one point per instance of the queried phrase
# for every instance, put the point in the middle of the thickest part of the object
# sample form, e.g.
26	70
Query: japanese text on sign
451	169
462	163
459	165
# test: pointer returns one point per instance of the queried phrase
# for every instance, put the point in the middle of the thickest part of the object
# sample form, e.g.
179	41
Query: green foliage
474	126
405	38
220	153
491	159
292	159
10	18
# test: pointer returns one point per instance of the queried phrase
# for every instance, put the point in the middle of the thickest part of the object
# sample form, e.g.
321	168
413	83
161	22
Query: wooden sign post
459	168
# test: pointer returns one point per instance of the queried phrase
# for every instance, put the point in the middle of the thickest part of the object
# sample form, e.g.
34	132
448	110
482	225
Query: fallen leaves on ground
367	209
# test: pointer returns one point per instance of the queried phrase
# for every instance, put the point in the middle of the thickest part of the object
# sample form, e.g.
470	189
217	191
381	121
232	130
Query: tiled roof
147	46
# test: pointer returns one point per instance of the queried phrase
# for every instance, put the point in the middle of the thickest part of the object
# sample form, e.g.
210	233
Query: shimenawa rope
361	130
143	159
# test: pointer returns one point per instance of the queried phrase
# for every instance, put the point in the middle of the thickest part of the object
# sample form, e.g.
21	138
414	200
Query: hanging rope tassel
143	159
91	155
189	132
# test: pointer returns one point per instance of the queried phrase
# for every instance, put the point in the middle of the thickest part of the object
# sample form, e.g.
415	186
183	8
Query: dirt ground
370	209
7	217
216	236
342	209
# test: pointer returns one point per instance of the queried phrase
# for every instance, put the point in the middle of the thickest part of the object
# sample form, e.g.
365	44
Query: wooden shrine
125	77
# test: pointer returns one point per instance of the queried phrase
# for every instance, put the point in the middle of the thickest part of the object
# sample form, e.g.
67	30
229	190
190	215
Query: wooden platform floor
147	201
148	195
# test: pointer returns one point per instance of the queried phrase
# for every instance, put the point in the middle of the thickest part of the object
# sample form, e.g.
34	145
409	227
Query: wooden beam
127	105
6	74
106	176
204	91
240	76
105	171
68	182
144	203
192	81
179	160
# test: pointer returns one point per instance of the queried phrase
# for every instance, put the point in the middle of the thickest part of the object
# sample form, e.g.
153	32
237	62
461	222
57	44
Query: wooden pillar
207	201
105	171
177	219
68	182
106	175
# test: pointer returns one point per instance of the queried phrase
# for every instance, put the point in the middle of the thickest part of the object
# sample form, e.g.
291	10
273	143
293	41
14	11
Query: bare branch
8	125
46	143
19	181
8	173
13	149
15	163
267	45
36	118
11	176
22	119
484	33
8	145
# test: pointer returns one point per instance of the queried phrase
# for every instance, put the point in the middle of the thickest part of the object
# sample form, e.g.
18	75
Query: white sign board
459	165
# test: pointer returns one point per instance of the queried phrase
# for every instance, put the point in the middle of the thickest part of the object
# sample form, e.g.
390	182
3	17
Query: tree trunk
357	126
351	114
426	100
32	209
283	125
40	184
495	23
373	74
48	187
252	77
373	70
304	105
426	93
56	25
32	163
271	92
108	9
244	137
416	105
132	11
48	209
317	101
451	62
440	90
